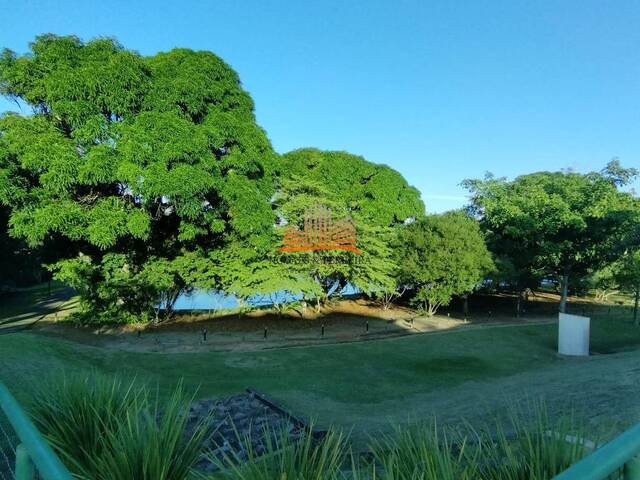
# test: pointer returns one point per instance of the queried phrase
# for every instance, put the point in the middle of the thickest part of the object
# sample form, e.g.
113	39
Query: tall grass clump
75	413
286	458
528	446
105	429
422	452
533	447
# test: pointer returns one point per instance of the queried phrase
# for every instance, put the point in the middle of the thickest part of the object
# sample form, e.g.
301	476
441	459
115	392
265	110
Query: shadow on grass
23	309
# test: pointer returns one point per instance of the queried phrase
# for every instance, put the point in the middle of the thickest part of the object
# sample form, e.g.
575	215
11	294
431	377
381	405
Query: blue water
212	300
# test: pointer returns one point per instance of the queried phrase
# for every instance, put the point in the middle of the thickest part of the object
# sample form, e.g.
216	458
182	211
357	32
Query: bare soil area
343	321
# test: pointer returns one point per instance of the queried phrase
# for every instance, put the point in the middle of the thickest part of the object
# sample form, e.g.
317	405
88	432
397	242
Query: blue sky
439	90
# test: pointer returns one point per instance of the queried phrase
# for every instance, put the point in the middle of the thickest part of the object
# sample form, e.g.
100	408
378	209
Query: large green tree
145	164
377	198
557	224
441	256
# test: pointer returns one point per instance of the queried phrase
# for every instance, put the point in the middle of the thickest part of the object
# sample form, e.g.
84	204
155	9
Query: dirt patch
344	321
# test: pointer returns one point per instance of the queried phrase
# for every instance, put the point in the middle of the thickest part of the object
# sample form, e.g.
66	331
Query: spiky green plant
536	449
105	429
529	446
76	412
285	458
152	444
423	452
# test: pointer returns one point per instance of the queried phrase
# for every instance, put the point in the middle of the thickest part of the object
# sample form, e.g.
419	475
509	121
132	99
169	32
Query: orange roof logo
321	233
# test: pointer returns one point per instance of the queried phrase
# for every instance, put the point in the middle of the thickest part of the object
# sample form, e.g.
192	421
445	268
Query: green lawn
342	383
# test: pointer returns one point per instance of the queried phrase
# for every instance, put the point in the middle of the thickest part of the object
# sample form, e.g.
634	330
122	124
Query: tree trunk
171	298
386	300
635	307
564	288
518	304
465	305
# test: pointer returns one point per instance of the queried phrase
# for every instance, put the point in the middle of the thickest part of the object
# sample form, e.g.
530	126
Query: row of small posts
205	332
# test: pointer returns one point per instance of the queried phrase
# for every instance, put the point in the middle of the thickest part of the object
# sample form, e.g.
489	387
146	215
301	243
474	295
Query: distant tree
515	257
561	224
617	174
627	275
442	256
143	164
603	282
372	193
248	274
515	269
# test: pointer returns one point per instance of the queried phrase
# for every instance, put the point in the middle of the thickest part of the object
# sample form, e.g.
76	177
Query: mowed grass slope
341	383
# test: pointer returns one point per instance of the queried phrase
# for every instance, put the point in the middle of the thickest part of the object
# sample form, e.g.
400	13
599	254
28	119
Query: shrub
75	413
423	452
104	429
286	458
536	450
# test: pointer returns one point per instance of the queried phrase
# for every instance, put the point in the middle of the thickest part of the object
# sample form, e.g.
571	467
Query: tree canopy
138	161
21	266
441	256
627	277
138	178
372	193
376	197
556	224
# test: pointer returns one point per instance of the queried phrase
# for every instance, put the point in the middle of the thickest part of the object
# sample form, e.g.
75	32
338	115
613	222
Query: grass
365	382
388	368
366	385
423	451
76	413
285	458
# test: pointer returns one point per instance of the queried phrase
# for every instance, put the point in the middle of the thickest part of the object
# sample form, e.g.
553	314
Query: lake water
211	300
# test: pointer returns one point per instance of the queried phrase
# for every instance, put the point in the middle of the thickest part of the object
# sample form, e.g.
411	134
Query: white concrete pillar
573	335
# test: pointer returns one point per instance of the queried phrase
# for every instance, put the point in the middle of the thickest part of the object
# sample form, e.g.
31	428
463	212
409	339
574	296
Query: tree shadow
22	310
